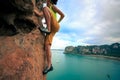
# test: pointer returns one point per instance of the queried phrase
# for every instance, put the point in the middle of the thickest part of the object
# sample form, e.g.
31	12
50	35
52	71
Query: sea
81	67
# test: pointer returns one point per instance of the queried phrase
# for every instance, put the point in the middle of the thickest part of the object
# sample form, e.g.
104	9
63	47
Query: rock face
22	57
108	50
21	43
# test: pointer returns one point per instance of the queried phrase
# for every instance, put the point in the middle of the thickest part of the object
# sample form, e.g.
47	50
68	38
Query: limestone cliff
107	50
21	43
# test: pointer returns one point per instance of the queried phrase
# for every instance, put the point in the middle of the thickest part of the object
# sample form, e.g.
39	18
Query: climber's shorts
54	28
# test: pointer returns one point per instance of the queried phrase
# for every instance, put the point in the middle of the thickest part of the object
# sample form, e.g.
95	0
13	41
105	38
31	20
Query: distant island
112	50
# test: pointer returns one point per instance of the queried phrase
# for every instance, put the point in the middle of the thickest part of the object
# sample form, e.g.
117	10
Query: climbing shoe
46	70
45	30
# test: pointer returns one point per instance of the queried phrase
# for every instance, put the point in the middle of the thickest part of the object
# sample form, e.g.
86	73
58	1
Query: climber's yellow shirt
54	13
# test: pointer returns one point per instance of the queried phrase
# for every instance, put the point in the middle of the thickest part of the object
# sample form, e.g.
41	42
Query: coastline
107	57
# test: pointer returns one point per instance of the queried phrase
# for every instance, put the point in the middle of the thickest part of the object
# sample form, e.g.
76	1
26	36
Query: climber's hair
54	1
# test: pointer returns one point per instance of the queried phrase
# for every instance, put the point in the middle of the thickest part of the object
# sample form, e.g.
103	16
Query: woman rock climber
53	27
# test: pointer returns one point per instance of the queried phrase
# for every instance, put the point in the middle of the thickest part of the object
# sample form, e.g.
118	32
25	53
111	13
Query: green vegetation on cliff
107	50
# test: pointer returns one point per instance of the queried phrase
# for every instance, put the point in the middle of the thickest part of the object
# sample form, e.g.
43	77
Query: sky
88	22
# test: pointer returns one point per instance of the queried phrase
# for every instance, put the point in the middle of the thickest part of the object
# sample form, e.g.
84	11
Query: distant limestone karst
107	50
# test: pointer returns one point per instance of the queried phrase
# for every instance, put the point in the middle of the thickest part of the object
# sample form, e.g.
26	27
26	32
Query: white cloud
90	10
59	43
110	9
112	39
97	22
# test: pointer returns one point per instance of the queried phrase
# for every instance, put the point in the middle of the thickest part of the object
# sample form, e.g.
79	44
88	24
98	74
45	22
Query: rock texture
22	57
21	43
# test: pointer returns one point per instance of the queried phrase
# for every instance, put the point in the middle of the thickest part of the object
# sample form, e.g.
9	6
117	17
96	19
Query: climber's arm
38	13
36	10
59	12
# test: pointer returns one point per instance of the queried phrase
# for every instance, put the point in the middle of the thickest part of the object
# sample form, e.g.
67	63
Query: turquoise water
77	67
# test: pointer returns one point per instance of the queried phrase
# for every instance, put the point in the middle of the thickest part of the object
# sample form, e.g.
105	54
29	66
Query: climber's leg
47	17
48	20
48	52
48	56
